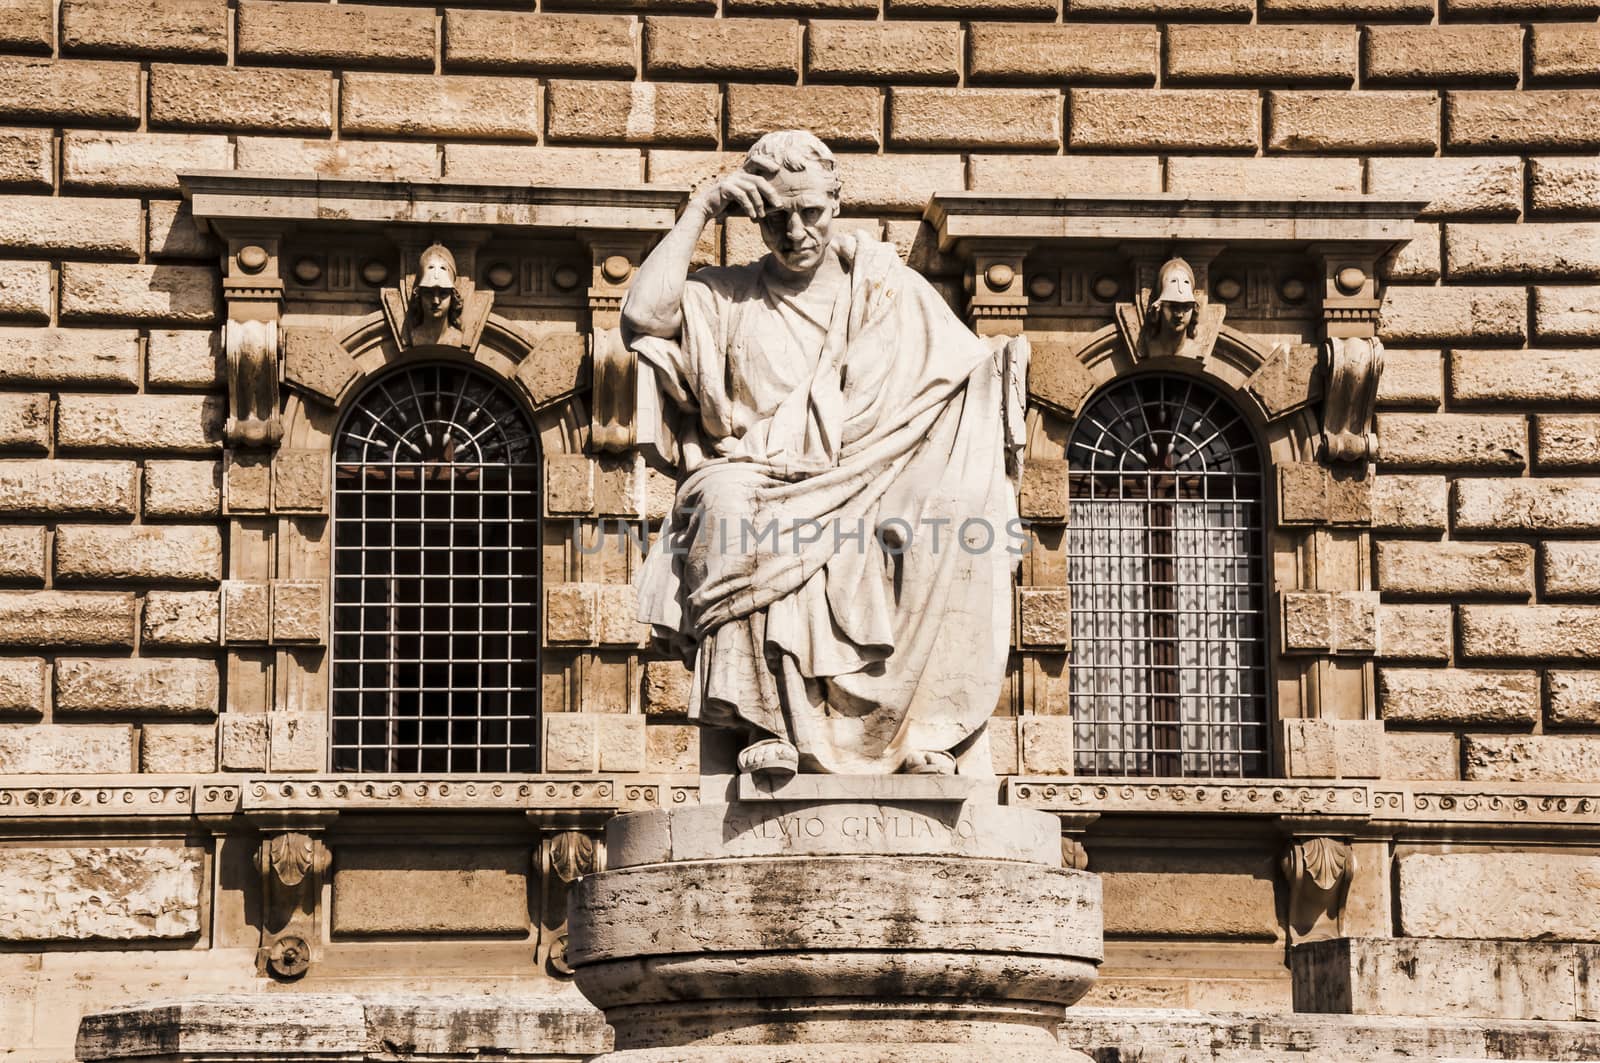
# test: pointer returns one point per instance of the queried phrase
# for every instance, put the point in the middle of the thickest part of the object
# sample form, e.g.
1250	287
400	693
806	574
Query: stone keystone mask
436	293
1174	306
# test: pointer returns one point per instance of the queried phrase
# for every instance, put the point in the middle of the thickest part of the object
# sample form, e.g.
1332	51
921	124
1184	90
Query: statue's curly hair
793	150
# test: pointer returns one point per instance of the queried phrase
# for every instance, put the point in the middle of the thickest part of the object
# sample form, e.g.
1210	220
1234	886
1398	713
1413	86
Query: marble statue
838	567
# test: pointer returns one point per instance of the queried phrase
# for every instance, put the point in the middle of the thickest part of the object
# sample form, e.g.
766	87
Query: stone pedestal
837	919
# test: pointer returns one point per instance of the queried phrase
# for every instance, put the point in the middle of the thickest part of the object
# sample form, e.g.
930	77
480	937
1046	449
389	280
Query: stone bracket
253	290
293	862
561	858
1351	366
617	396
1319	871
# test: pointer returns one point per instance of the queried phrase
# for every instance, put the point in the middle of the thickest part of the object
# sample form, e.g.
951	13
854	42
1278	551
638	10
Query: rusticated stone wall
1484	507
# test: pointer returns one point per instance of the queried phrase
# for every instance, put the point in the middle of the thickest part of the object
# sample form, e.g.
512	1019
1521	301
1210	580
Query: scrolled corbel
1319	871
292	865
1351	366
252	348
566	857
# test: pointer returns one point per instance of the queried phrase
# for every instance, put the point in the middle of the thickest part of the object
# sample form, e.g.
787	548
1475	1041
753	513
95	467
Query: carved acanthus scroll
564	858
1319	871
1351	367
292	866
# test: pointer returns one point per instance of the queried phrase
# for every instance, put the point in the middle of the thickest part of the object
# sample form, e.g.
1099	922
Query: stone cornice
977	218
243	201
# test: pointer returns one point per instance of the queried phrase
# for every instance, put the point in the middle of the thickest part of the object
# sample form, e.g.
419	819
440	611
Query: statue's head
801	170
436	283
1174	308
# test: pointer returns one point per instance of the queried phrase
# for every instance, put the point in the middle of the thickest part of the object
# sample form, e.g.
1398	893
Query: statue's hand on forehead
741	192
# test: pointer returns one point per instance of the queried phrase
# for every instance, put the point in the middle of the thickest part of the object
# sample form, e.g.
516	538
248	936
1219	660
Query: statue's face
797	228
436	301
1177	317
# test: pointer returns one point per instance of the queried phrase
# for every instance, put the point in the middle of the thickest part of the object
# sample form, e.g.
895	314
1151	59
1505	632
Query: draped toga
837	568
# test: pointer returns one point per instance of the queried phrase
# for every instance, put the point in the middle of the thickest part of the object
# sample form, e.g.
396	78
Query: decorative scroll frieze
59	798
1144	796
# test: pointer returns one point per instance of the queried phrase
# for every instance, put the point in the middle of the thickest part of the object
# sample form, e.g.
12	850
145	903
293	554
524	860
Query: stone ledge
322	1026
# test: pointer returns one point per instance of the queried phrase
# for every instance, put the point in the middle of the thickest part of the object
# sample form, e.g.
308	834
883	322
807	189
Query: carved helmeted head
801	170
1174	308
436	294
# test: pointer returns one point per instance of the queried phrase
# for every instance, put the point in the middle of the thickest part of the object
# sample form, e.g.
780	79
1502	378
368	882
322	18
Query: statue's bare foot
929	762
771	760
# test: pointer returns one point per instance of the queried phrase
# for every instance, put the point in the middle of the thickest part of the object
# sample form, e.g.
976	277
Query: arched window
1168	665
436	577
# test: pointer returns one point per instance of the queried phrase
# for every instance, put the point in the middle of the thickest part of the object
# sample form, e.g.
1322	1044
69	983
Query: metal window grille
1165	543
436	577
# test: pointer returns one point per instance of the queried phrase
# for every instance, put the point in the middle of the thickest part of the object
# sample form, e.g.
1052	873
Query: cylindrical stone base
834	958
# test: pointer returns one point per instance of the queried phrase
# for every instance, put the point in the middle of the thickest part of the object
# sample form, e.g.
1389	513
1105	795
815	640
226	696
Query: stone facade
169	824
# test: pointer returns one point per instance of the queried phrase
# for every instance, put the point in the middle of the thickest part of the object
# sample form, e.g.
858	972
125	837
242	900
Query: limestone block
1044	490
1456	568
1410	503
178	747
172	232
1261	54
1418	315
176	686
1225	119
666	688
25	422
1513	895
842	115
27	159
1511	119
299	610
569	612
1532	758
616	612
672	749
75	91
24	686
1176	892
1057	377
1557	632
1422	976
1574	699
1046	617
179	423
634	113
1333	749
138	162
1566	313
1551	503
1457	696
168	554
246	483
989	118
899	182
431	890
1443	440
883	51
1309	494
1453	187
1414	632
1421	755
314	360
1046	746
1330	621
1567	441
571	742
22	554
240	98
677	46
1534	376
1411	378
182	489
184	358
343	158
1565	185
299	741
544	166
1338	121
182	618
25	290
542	43
1545	251
558	366
69	356
243	739
66	618
246	611
1074	175
195	28
130	893
65	749
177	294
425	105
430	1025
61	487
350	35
620	741
300	481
